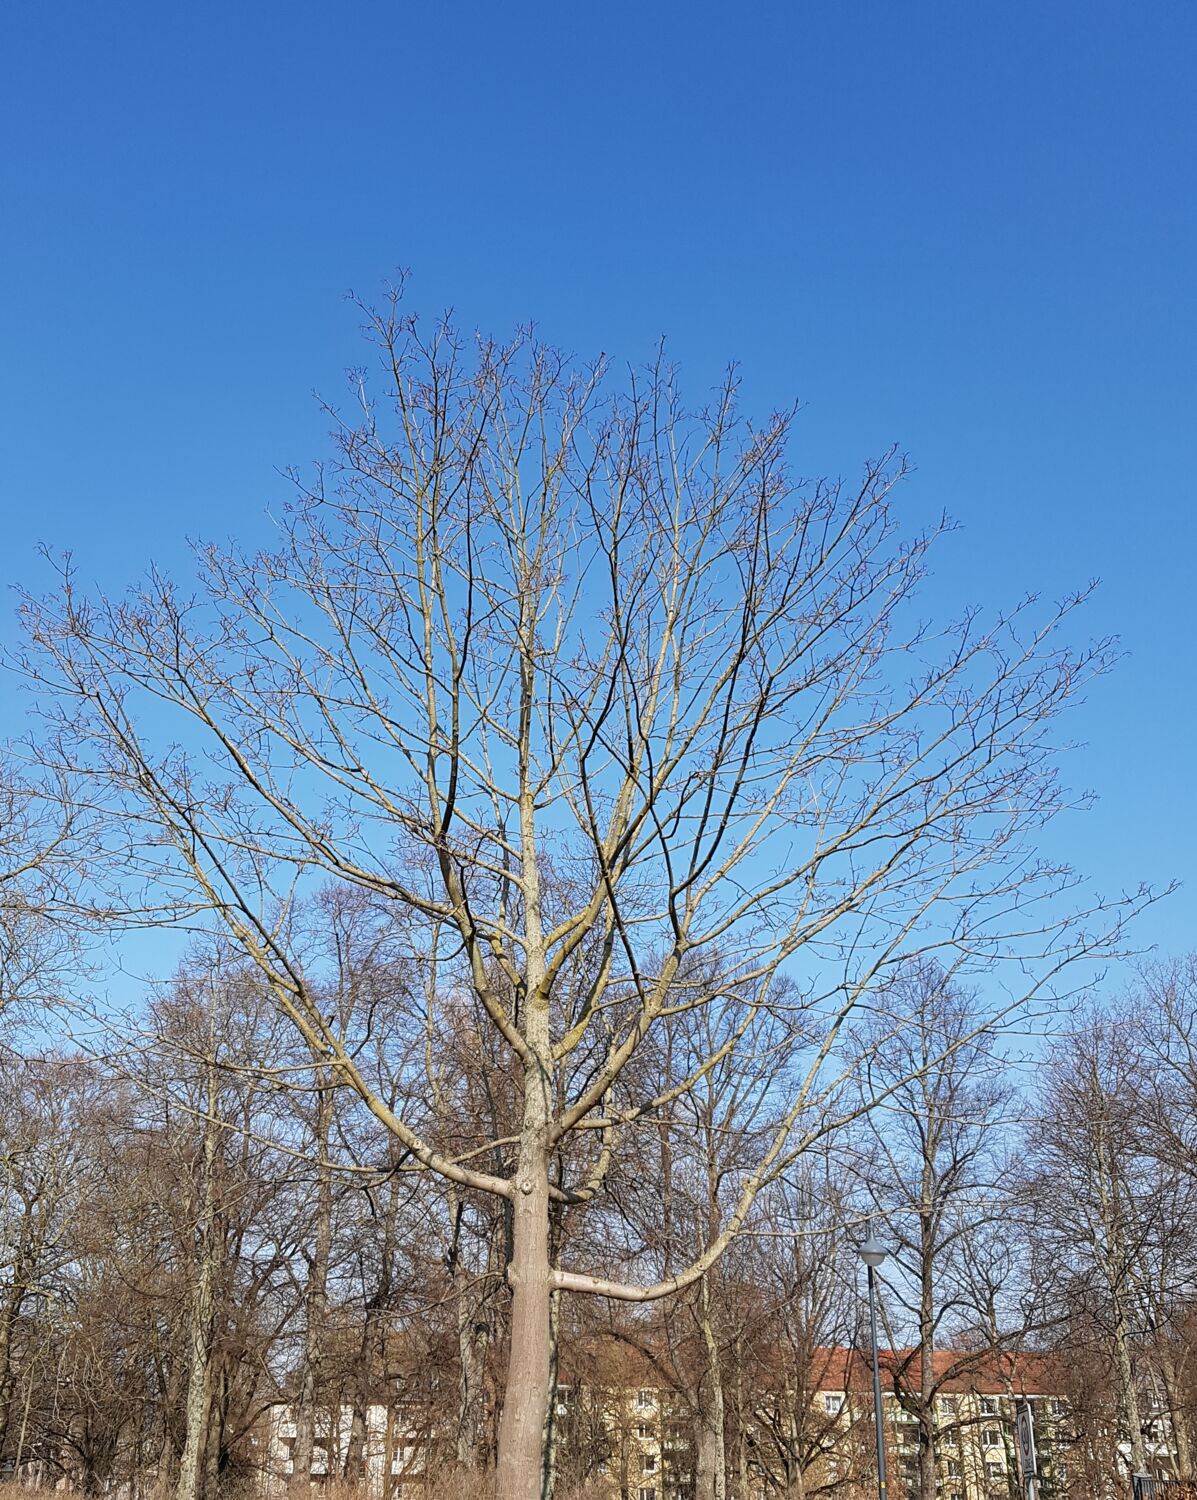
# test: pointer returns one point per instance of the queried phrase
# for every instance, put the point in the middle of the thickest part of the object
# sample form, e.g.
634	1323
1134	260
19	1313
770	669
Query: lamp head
871	1252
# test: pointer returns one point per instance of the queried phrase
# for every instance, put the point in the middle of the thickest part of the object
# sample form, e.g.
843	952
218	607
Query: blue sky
969	229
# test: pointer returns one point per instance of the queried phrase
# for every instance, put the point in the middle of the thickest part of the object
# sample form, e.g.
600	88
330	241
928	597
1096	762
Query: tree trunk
524	1419
926	1455
317	1291
202	1315
473	1340
796	1475
1179	1419
549	1480
1129	1396
927	1277
370	1382
167	1400
354	1468
742	1426
523	1426
23	1271
214	1441
199	1394
710	1477
8	1320
710	1460
24	1429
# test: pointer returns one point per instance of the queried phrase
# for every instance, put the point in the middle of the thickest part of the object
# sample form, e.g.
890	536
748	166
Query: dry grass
589	1489
447	1484
452	1483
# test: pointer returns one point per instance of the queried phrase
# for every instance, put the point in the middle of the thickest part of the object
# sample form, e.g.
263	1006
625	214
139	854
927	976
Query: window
643	1430
647	1492
994	1471
949	1404
648	1463
989	1406
644	1398
1059	1407
991	1438
953	1468
956	1495
833	1403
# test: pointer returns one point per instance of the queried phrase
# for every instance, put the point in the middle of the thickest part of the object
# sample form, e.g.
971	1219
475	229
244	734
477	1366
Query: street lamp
872	1254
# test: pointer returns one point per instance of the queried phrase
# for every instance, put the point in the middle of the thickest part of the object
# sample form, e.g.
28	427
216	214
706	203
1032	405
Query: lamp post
872	1254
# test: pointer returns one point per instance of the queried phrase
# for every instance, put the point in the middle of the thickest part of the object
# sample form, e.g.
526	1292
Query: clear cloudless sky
967	228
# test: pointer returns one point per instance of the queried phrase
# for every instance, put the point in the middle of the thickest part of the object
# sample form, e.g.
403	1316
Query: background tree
41	927
932	1172
800	1433
1165	1015
47	1176
1101	1204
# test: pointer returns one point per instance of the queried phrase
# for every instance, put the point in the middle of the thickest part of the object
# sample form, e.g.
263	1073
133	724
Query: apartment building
972	1421
382	1446
620	1427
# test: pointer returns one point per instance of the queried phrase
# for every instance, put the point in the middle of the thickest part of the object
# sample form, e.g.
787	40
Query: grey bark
552	1432
710	1478
201	1319
524	1420
1128	1393
473	1340
317	1288
1179	1420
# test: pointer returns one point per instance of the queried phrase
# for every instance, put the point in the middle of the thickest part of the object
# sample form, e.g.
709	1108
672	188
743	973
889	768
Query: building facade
632	1436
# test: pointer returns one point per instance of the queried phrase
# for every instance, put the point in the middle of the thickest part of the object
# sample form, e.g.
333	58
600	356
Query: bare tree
39	930
804	1341
47	1108
1164	1016
708	1139
224	1209
934	1171
592	684
1162	1020
1102	1202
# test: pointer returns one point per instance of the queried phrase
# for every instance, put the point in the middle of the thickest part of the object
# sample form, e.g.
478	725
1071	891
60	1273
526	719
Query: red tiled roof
607	1361
955	1371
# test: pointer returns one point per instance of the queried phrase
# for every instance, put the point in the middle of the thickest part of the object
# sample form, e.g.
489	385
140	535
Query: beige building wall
648	1454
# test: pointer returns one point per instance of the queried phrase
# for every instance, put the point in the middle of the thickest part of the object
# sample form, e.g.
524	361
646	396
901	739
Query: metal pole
877	1418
